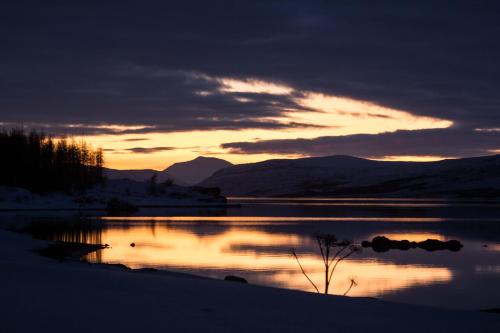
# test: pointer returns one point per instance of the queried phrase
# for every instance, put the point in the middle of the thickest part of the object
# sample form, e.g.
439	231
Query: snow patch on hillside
139	194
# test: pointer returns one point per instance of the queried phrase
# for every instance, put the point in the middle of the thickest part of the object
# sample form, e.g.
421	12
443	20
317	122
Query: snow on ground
42	295
133	192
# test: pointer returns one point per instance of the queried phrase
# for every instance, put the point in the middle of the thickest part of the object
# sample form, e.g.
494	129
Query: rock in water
383	244
235	279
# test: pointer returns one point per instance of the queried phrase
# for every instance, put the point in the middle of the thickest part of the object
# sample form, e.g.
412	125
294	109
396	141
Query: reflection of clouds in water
258	251
374	278
185	249
411	236
495	247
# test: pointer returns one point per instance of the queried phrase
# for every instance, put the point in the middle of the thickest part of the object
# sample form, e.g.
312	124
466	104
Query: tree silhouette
40	163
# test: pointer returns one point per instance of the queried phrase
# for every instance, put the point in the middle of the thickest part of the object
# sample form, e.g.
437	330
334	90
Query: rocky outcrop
383	244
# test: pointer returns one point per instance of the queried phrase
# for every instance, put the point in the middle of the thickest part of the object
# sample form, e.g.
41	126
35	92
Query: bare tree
332	252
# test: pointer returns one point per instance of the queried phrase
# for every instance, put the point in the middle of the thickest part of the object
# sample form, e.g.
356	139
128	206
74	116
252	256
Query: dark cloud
135	139
149	150
146	150
454	142
144	63
199	124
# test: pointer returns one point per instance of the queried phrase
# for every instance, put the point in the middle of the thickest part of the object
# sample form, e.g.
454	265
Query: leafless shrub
333	251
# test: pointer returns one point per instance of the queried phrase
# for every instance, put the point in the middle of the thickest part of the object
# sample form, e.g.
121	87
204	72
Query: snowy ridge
351	176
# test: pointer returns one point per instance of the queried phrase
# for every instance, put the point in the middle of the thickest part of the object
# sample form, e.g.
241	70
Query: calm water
255	242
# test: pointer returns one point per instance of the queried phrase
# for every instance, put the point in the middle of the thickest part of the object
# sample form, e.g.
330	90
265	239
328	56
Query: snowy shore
44	295
134	193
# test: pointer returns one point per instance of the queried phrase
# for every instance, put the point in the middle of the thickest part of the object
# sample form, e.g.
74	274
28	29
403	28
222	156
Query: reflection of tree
332	252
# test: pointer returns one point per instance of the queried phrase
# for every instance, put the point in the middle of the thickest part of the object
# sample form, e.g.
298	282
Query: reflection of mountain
183	173
351	176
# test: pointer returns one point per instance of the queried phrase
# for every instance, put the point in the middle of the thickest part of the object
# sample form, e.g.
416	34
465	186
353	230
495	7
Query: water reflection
265	219
262	255
411	236
256	241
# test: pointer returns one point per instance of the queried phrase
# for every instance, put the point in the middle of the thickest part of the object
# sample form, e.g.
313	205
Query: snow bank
138	194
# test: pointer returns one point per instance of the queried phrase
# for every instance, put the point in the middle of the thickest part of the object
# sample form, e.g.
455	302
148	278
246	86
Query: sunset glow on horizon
322	115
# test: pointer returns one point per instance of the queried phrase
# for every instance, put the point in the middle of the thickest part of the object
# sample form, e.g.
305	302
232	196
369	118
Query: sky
157	82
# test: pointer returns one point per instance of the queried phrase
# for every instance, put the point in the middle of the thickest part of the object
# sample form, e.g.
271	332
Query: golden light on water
412	236
373	278
241	249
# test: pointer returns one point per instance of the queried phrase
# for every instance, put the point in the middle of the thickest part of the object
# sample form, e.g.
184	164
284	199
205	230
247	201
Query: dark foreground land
45	295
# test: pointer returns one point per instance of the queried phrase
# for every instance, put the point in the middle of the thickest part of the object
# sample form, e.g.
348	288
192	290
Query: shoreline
100	209
55	296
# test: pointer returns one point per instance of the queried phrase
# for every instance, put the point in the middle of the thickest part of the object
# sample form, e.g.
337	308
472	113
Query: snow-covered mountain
194	171
183	173
352	176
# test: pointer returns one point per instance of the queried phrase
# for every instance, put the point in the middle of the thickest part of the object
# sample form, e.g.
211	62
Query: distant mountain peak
202	158
196	170
206	158
182	173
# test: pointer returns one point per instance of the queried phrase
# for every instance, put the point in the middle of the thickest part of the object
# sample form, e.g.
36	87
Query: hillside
136	175
194	171
183	173
351	176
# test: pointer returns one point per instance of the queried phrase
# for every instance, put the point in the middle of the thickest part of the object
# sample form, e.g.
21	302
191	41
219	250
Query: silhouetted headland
42	173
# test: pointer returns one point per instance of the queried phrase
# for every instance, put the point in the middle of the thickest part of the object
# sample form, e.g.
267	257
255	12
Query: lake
256	240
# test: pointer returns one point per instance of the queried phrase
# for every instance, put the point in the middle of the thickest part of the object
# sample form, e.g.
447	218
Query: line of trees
40	163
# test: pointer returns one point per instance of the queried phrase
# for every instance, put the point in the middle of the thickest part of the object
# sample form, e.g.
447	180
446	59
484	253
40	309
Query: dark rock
431	245
234	278
132	244
383	244
435	245
404	245
454	245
